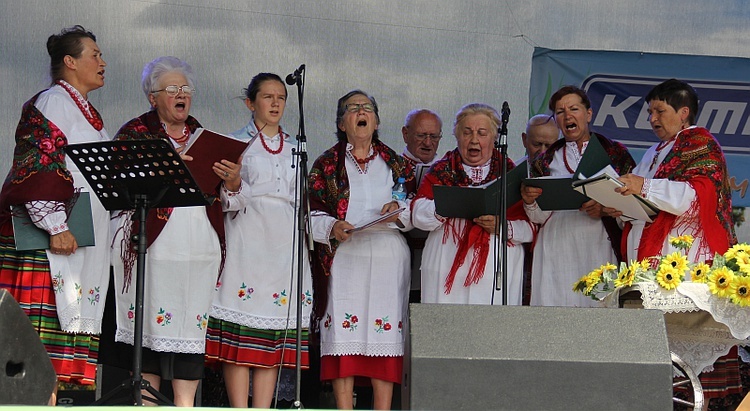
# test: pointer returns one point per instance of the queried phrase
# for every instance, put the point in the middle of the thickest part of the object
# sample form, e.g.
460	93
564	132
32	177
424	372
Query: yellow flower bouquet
728	276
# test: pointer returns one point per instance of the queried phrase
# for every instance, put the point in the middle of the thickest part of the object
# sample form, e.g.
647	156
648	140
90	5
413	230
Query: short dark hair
251	92
341	110
564	91
67	43
677	94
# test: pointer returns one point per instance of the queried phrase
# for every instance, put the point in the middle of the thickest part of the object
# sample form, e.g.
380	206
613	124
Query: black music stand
137	175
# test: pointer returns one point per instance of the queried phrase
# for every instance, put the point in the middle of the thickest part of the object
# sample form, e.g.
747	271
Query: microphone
503	132
293	77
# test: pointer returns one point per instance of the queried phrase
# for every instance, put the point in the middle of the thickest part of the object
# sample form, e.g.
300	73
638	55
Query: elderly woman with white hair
458	259
185	245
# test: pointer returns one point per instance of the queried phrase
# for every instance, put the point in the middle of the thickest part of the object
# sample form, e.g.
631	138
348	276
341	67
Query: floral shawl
329	192
449	171
696	158
38	171
148	126
622	162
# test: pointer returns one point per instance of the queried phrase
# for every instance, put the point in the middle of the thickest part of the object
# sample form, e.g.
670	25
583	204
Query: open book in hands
601	187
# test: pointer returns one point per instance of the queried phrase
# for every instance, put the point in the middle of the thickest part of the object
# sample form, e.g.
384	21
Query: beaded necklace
88	110
363	164
363	161
265	146
179	140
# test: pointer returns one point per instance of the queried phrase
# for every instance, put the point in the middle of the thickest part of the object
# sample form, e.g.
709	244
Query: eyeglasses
174	90
424	136
355	107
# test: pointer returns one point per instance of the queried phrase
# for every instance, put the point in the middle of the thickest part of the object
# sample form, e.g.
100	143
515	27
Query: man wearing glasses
422	131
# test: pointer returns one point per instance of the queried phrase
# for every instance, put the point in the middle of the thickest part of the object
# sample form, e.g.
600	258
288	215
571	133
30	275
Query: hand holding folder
558	192
472	202
208	147
80	223
601	187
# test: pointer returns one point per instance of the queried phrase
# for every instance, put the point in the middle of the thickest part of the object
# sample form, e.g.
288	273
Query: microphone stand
501	273
303	223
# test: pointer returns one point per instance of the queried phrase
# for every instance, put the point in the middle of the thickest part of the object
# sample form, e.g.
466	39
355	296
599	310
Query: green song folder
80	223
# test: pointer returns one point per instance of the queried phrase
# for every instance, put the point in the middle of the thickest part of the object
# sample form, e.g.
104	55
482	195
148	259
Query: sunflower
740	293
676	260
736	249
683	242
668	277
592	280
743	262
627	275
700	273
580	285
720	280
587	283
608	267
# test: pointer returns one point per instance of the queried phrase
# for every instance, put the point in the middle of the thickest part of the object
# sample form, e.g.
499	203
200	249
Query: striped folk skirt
237	344
26	276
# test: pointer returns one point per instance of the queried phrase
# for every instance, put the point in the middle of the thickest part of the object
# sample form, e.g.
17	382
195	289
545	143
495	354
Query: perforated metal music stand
137	175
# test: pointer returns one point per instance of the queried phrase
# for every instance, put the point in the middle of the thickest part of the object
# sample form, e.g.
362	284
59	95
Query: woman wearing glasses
254	313
185	250
458	259
360	279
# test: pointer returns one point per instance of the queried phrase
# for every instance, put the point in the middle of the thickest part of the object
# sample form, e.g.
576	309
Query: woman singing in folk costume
458	260
62	289
185	250
361	278
570	242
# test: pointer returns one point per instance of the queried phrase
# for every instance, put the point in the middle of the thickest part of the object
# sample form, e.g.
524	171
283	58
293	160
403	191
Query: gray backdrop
408	54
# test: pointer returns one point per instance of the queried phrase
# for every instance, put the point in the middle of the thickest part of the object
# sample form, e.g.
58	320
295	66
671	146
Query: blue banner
617	82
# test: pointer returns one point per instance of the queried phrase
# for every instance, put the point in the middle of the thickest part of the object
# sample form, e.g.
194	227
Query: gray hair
154	69
414	113
540	120
477	108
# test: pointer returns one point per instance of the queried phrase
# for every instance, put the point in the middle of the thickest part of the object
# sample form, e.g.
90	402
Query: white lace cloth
700	326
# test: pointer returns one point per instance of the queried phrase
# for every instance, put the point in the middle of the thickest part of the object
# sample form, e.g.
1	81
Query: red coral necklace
179	140
92	116
363	161
265	146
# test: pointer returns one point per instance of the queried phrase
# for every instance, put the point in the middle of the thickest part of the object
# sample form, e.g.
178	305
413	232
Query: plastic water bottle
399	190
